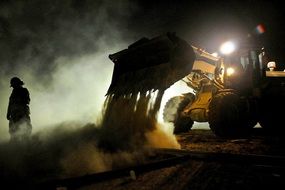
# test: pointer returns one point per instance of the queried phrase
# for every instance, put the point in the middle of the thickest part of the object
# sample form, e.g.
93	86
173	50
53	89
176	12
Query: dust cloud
125	135
60	50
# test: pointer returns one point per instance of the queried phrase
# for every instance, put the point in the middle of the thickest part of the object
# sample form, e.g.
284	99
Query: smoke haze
60	50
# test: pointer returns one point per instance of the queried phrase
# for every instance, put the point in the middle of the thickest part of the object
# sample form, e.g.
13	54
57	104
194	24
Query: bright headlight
230	71
227	48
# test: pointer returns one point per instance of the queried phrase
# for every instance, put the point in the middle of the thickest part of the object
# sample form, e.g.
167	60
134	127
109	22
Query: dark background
46	28
207	24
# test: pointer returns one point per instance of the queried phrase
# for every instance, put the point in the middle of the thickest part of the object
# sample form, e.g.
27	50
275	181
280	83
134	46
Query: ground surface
205	162
212	174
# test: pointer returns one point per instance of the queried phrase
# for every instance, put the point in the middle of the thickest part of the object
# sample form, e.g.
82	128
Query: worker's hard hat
15	81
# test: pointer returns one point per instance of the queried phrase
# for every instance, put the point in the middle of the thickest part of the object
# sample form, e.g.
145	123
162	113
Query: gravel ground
200	174
185	174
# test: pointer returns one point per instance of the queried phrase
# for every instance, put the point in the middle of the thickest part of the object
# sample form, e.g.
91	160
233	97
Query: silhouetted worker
18	112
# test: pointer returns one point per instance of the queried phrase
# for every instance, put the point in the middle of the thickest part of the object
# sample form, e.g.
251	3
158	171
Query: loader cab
244	69
234	72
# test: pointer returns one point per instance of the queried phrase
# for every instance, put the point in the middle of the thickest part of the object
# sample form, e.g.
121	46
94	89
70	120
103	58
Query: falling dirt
127	120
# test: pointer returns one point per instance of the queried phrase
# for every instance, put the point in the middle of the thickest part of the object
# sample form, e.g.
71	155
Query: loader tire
228	116
173	113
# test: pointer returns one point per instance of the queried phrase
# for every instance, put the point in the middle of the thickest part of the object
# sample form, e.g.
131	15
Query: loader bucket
151	64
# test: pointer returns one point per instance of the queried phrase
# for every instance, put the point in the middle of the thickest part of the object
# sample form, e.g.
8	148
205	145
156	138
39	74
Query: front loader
232	93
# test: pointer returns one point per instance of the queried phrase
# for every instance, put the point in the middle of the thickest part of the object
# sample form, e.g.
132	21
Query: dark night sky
208	23
46	28
50	43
